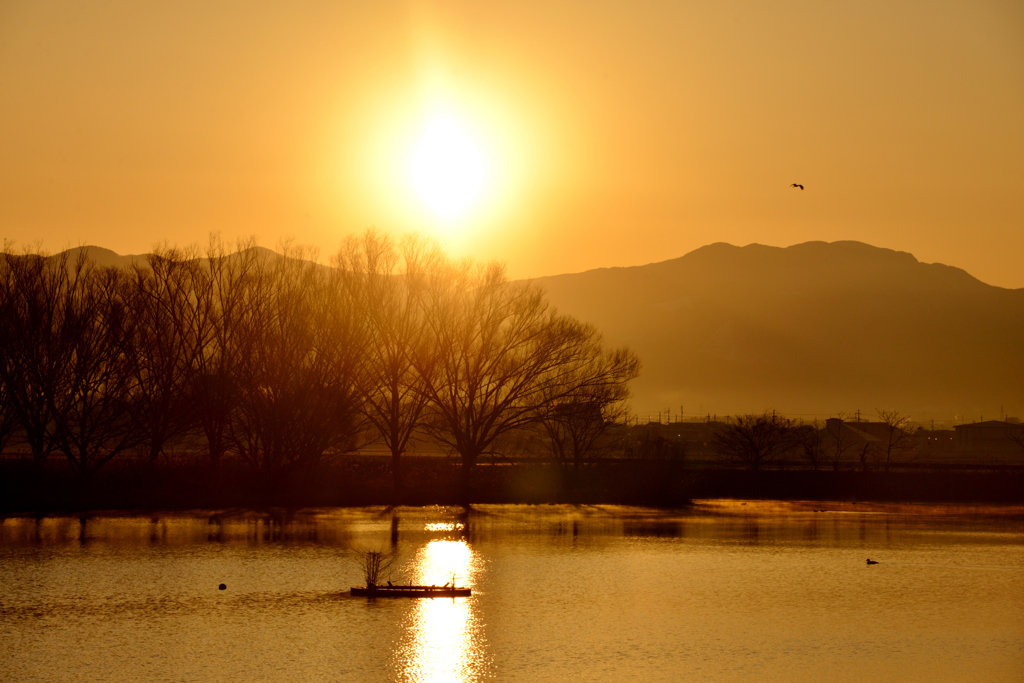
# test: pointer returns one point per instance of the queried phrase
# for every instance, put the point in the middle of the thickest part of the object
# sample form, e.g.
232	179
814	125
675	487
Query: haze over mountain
813	329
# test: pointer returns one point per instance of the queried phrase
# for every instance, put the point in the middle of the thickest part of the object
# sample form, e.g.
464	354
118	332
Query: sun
447	168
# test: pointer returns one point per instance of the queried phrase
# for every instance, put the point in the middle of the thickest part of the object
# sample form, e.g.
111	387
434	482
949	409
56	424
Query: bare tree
836	440
499	359
898	439
756	439
809	440
376	565
1017	436
8	415
388	285
300	364
222	302
41	312
31	342
576	422
165	306
92	421
8	410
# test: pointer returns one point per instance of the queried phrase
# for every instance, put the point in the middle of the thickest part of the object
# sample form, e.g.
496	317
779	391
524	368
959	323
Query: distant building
855	433
879	430
844	441
990	439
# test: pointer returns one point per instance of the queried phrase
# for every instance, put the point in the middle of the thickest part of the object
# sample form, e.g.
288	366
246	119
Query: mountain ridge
815	328
720	245
110	257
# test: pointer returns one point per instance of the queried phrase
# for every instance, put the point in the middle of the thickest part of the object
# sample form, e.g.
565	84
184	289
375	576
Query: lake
720	591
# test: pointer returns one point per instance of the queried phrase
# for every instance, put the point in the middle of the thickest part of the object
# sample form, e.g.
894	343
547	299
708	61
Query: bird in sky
797	185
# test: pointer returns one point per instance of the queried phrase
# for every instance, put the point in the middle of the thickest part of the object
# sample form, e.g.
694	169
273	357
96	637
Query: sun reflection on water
445	641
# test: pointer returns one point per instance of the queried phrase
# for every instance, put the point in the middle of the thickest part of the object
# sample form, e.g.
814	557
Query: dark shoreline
356	481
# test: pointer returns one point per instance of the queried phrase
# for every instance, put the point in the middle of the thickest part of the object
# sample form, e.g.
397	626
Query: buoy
223	586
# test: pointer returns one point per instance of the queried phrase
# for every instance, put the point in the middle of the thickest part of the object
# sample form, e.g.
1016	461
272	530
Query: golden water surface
722	591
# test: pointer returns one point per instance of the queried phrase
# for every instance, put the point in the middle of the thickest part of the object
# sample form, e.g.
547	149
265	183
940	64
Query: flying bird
797	185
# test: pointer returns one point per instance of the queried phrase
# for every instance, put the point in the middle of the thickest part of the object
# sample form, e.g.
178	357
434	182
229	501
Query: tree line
280	362
756	440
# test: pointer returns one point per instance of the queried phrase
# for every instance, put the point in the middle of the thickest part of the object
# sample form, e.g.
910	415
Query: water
721	592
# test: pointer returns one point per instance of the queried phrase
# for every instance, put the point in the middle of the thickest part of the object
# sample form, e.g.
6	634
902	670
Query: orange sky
613	133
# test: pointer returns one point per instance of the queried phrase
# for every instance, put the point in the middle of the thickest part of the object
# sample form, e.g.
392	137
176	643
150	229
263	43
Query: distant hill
108	258
815	328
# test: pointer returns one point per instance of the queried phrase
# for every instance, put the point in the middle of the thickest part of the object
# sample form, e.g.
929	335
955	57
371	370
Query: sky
554	135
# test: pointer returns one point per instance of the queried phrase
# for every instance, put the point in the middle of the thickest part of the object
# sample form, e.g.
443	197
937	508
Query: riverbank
362	480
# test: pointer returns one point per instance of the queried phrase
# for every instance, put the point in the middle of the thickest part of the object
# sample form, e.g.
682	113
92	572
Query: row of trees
280	361
756	440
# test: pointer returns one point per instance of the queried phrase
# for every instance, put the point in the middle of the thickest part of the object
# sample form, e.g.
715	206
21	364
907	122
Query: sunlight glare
445	644
447	168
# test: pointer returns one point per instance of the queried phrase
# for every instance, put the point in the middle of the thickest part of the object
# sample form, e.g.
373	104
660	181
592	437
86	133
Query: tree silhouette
836	440
756	439
33	339
387	283
221	302
500	358
898	439
299	366
576	422
164	303
90	410
809	441
1017	437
